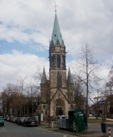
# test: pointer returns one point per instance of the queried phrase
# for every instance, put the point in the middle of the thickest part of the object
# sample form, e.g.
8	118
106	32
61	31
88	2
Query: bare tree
7	99
78	94
11	99
109	84
87	74
108	93
21	88
32	91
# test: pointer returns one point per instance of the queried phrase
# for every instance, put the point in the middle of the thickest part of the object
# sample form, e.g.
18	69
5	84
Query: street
14	130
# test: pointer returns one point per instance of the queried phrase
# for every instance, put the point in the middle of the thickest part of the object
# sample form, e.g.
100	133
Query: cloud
23	36
17	64
101	71
88	22
23	21
31	22
80	21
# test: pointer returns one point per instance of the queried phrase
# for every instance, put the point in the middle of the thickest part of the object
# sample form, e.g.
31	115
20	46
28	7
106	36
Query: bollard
109	132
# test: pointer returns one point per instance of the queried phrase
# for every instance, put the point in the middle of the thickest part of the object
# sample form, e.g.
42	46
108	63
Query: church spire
56	35
70	79
44	78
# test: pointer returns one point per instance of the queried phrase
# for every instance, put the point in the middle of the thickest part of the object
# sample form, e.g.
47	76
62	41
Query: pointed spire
44	78
70	79
56	35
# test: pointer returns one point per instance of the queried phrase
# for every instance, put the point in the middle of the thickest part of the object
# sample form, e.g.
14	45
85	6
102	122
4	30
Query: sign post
102	102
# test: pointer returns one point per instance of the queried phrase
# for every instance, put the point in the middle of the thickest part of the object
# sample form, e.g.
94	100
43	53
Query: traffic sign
102	102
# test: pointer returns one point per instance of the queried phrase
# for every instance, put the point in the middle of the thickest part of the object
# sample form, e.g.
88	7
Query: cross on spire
55	7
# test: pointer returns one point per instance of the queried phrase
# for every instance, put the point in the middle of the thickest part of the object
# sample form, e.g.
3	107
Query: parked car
13	119
1	121
30	121
20	120
9	118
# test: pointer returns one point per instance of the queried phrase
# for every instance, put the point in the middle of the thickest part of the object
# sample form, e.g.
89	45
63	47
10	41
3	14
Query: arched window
59	80
53	61
63	62
64	59
58	61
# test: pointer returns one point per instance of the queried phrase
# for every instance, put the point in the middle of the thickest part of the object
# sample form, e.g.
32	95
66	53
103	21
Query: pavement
84	134
94	130
93	134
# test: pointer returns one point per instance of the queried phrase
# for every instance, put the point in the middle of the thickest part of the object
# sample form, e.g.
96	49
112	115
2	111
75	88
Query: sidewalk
93	134
94	130
84	134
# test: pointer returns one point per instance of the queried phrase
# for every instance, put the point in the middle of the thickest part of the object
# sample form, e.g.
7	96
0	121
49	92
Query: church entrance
59	110
59	107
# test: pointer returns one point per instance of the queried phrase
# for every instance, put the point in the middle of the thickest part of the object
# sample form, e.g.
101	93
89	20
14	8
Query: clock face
57	49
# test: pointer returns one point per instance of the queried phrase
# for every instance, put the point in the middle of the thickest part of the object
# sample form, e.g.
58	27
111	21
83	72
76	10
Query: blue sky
26	29
30	47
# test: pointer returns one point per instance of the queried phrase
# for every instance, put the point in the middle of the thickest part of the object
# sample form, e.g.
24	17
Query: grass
44	125
95	120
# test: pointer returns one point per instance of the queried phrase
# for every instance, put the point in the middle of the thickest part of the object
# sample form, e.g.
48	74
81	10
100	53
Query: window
52	61
59	80
58	61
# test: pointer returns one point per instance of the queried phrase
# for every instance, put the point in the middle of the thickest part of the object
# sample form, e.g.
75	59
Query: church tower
56	94
59	103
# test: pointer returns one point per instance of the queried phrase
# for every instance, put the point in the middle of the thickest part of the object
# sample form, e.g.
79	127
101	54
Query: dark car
30	121
13	119
1	121
20	120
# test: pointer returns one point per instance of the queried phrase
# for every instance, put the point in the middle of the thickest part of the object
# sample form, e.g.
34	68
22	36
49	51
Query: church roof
43	78
56	35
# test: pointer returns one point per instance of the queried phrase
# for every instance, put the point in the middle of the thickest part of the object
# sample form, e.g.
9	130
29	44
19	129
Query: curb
86	134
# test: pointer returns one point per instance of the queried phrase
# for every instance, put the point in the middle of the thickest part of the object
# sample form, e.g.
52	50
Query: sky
26	29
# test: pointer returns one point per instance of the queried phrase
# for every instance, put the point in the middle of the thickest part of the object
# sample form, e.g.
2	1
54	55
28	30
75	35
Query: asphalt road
97	127
14	130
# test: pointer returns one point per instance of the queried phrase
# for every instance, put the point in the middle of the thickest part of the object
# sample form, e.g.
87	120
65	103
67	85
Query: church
56	96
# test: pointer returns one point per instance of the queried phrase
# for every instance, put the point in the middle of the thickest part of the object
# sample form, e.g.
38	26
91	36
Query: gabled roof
56	35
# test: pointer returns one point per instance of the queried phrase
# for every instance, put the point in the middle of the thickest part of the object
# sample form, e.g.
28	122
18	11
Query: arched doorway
59	107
